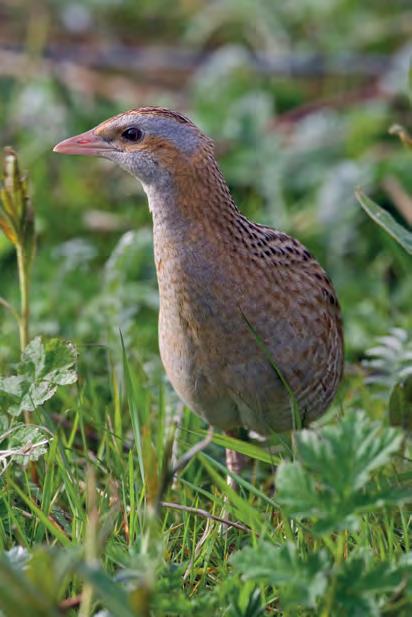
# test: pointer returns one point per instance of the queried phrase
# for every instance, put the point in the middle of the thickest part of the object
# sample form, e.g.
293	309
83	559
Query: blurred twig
360	94
77	78
181	60
205	514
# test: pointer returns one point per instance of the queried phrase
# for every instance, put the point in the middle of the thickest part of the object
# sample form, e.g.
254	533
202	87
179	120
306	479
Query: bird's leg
234	462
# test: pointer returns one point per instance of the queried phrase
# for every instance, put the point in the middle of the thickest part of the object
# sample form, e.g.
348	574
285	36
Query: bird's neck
194	203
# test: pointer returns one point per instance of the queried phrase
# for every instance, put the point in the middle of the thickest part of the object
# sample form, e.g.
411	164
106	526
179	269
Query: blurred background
299	97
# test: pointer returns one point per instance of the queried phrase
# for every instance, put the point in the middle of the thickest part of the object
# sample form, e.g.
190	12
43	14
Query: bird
250	327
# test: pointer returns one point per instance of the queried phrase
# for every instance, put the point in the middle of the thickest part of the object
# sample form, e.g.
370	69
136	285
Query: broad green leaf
43	367
33	583
330	482
111	594
299	581
400	404
48	568
18	596
386	220
51	360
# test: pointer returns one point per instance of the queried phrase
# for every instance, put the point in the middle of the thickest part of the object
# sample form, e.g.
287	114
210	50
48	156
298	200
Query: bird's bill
88	143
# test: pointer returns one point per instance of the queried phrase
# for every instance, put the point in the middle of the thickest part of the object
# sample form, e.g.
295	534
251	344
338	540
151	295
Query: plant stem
24	297
90	545
24	305
339	557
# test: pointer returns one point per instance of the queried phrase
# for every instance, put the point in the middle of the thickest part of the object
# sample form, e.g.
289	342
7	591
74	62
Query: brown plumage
237	299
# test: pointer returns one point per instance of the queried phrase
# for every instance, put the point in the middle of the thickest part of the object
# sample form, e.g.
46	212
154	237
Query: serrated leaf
361	581
298	491
299	581
386	221
43	367
18	557
24	443
254	606
330	482
390	360
346	453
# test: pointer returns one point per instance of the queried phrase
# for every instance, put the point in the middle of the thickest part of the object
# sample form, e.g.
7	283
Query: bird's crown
160	112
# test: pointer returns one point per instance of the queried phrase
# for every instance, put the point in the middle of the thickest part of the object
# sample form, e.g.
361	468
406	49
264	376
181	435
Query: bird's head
151	143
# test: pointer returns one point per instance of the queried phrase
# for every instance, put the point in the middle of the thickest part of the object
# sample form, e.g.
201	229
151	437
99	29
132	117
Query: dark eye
132	134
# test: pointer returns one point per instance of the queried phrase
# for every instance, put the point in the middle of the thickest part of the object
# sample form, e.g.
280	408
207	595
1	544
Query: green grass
94	524
334	536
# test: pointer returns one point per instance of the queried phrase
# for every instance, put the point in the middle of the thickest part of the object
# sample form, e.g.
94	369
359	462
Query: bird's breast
195	324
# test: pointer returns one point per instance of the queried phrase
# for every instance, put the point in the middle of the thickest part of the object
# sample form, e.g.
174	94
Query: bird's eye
132	134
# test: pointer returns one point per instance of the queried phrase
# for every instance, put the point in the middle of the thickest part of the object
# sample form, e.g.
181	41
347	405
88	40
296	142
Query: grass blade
386	221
